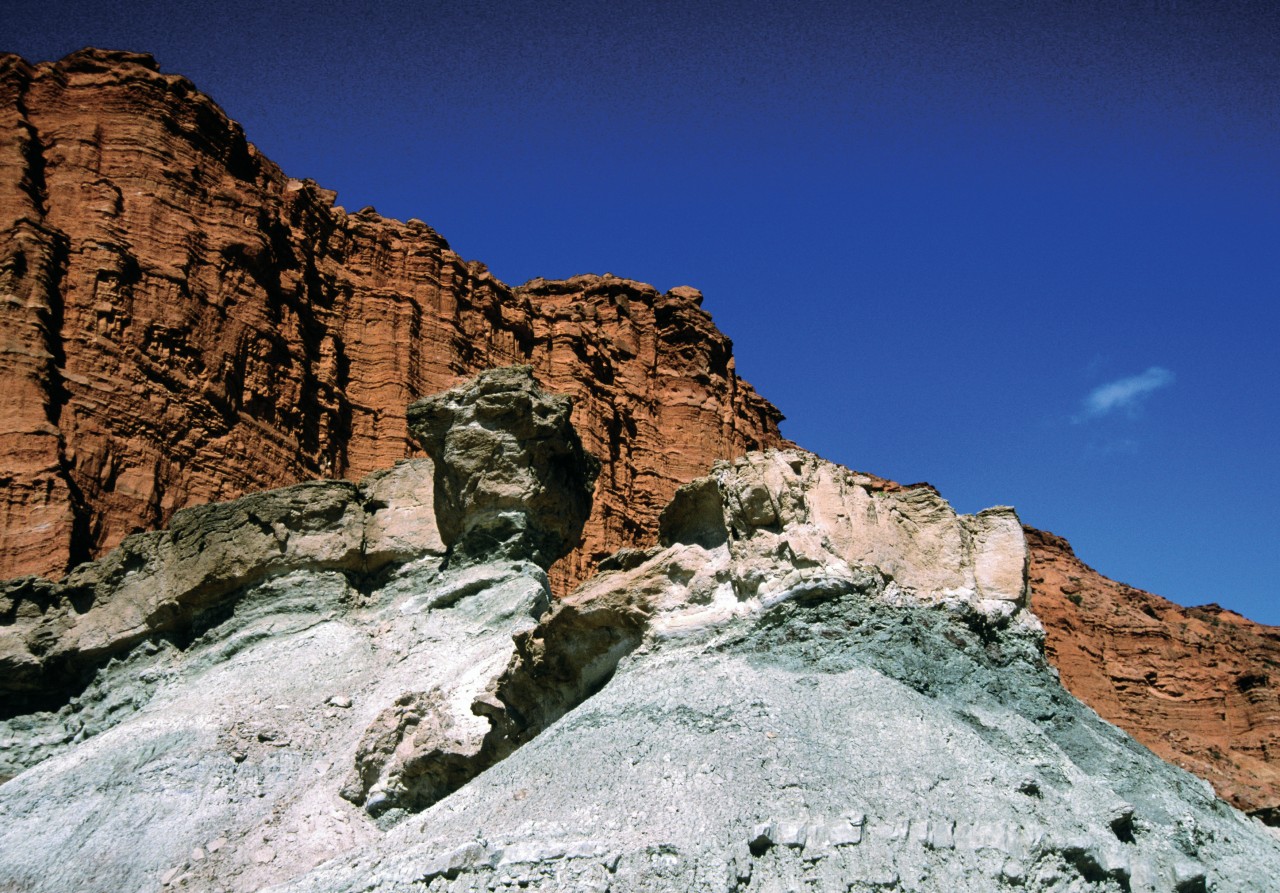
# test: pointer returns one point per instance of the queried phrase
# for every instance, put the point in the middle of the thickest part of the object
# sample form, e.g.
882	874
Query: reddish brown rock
1199	686
183	323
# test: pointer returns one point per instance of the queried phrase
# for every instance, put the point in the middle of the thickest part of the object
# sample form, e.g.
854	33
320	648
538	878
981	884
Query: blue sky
1026	251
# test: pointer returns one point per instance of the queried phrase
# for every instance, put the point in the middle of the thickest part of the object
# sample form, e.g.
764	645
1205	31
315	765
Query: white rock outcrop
821	523
817	681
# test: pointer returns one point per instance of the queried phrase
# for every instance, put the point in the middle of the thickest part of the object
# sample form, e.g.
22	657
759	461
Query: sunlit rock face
1198	686
183	323
829	520
818	680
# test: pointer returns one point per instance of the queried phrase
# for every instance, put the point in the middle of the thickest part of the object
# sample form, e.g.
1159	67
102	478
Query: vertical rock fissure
83	537
33	182
47	281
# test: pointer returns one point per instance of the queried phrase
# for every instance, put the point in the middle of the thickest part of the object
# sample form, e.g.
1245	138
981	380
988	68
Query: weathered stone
831	520
1195	685
511	476
724	745
183	323
768	712
175	582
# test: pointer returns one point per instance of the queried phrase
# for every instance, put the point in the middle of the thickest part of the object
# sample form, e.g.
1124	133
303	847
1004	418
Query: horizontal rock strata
1199	686
183	323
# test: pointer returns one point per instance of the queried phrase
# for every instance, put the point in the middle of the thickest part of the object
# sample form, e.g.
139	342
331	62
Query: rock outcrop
511	476
832	736
829	521
818	681
183	323
1199	686
174	584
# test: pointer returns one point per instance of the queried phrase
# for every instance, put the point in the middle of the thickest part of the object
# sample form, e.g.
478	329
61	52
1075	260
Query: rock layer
1199	686
173	584
183	323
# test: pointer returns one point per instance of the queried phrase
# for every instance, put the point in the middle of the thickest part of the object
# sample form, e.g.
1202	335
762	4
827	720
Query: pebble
264	855
340	701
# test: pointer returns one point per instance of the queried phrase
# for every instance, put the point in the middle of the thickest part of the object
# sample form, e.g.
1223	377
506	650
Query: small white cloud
1124	393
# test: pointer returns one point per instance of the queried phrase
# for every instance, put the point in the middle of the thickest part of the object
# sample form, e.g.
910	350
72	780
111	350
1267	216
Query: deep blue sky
1027	251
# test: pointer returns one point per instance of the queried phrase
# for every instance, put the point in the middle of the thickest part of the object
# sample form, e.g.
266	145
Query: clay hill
813	682
183	323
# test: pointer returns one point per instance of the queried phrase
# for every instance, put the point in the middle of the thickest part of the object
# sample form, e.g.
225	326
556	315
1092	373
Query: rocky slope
816	681
181	323
1199	686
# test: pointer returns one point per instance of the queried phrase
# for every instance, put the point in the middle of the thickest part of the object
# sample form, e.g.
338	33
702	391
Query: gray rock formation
775	714
817	681
177	582
512	478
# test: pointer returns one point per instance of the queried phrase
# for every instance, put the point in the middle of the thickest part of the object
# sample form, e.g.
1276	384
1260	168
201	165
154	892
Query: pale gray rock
400	518
173	584
816	682
234	745
831	741
774	713
512	477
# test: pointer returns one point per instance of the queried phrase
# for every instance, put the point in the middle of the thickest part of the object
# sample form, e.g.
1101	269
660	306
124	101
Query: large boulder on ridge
512	478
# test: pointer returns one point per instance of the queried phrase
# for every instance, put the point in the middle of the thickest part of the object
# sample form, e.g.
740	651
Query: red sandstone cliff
182	323
1199	686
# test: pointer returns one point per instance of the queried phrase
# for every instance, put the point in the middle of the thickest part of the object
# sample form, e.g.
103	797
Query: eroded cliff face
183	323
1199	686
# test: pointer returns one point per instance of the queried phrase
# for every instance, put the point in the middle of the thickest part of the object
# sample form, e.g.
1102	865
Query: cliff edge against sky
183	323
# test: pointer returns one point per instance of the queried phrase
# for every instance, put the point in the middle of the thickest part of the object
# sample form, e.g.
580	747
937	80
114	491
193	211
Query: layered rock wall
1199	686
182	323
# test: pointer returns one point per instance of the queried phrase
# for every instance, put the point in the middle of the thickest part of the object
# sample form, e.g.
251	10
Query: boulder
512	478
